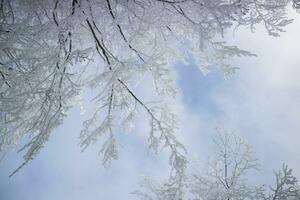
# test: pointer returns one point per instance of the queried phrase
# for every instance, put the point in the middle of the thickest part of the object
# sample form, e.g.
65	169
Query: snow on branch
53	51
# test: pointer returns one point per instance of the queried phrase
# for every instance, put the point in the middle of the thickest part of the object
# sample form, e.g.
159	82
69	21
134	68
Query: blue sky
261	102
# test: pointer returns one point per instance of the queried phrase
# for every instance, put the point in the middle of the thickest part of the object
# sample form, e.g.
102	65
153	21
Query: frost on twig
53	51
226	177
286	186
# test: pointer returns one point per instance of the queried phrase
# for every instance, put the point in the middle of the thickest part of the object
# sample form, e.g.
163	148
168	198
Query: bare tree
227	173
286	186
51	50
227	178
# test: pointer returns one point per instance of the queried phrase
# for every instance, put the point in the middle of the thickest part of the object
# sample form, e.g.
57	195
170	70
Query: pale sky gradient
261	102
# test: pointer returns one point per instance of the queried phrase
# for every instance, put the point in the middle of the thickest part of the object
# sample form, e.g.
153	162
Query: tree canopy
52	51
226	177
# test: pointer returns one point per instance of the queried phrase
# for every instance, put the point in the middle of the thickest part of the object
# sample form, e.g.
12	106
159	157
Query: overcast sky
261	102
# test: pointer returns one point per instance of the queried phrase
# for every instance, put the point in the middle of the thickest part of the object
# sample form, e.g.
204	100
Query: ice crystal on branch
47	49
286	186
225	178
